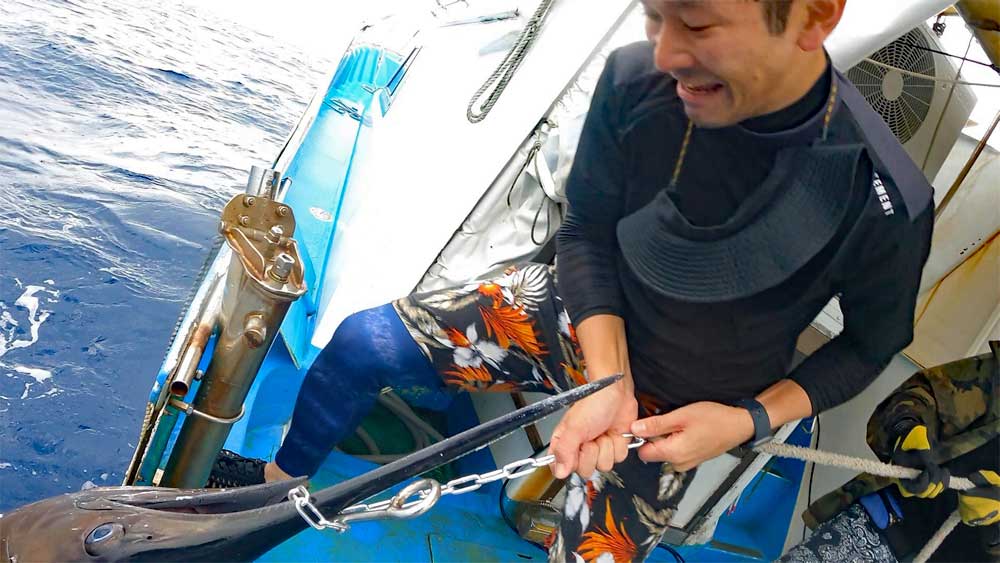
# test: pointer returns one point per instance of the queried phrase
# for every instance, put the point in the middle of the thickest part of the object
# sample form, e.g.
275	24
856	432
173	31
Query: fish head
131	523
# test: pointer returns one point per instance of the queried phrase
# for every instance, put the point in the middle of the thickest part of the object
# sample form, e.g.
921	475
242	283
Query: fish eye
101	534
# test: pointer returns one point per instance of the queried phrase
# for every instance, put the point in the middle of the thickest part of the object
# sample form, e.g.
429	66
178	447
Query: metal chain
426	491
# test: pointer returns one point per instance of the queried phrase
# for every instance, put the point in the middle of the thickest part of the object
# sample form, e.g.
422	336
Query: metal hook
399	507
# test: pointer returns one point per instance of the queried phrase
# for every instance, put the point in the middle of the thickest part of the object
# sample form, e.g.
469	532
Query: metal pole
265	275
966	169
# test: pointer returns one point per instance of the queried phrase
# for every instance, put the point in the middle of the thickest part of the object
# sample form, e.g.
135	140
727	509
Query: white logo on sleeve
883	196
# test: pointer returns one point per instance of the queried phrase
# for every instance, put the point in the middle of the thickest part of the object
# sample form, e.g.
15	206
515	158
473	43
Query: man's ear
822	16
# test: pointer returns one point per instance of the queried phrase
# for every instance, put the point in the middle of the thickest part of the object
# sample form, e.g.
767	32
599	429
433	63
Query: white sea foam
6	465
38	374
49	393
26	309
36	316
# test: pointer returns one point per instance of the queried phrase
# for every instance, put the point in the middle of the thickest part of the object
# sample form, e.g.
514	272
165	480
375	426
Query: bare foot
274	473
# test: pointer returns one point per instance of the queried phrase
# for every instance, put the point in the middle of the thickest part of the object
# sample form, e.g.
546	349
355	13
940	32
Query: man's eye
653	16
696	28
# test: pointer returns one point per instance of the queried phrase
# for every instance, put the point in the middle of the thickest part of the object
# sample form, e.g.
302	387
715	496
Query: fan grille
903	101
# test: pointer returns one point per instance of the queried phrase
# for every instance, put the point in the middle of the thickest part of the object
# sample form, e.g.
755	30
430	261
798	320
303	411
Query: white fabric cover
497	234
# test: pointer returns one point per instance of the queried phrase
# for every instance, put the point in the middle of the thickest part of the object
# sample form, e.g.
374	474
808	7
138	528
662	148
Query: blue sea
125	126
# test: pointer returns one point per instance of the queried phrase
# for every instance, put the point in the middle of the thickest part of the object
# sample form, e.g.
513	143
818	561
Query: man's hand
914	449
980	506
687	436
589	436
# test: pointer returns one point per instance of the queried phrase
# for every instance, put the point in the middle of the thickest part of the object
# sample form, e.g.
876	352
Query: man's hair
776	14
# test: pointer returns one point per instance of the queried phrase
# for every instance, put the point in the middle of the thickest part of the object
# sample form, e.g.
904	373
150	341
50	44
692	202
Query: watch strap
761	422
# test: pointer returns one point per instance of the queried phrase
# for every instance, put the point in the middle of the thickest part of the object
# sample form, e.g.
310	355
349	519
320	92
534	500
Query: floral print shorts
513	334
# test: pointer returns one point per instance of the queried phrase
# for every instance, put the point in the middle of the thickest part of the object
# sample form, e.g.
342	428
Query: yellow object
917	439
981	506
983	16
916	446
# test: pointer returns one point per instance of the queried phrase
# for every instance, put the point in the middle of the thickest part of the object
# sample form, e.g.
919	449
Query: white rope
929	77
874	468
938	538
854	463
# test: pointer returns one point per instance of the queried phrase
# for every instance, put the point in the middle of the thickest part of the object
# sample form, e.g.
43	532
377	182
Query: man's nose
672	53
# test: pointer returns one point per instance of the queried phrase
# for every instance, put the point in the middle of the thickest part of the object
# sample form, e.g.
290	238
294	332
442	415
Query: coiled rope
497	82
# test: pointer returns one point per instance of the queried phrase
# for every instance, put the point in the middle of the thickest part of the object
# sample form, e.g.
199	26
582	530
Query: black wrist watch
761	422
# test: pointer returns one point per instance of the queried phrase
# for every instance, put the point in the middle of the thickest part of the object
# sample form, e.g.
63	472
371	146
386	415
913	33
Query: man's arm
587	245
602	340
878	305
947	399
589	435
878	302
701	431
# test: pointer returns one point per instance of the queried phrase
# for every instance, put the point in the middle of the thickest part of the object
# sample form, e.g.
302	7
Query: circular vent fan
902	100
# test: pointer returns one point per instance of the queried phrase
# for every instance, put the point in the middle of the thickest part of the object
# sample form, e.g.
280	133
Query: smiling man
728	183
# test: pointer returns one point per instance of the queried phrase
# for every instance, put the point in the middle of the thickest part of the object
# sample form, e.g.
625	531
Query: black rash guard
685	352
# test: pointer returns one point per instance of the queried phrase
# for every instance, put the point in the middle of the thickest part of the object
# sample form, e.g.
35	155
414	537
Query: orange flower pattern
591	492
507	334
619	515
469	378
512	324
613	539
575	374
513	334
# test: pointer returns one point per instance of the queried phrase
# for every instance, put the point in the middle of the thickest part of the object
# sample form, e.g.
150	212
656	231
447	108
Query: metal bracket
189	409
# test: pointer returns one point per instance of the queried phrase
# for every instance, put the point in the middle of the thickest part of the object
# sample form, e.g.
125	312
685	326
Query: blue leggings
369	351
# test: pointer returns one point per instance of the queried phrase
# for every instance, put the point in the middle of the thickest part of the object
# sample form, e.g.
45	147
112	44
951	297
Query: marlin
160	524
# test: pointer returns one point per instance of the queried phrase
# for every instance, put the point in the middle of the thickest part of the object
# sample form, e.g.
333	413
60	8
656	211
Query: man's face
729	67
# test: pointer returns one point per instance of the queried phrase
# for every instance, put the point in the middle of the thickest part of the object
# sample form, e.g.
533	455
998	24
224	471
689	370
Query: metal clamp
188	409
398	507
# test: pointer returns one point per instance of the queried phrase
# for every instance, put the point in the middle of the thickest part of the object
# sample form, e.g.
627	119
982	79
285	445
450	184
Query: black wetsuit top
685	352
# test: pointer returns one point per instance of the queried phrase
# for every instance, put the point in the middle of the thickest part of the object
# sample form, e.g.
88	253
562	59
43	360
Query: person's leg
369	351
506	334
623	512
849	536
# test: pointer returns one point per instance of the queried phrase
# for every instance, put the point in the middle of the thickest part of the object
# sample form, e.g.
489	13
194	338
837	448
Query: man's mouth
694	91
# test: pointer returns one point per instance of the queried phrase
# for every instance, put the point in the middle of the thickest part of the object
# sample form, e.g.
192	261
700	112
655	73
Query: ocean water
125	126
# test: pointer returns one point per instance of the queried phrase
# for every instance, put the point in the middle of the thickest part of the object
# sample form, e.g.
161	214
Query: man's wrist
759	420
624	383
785	401
901	427
746	425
